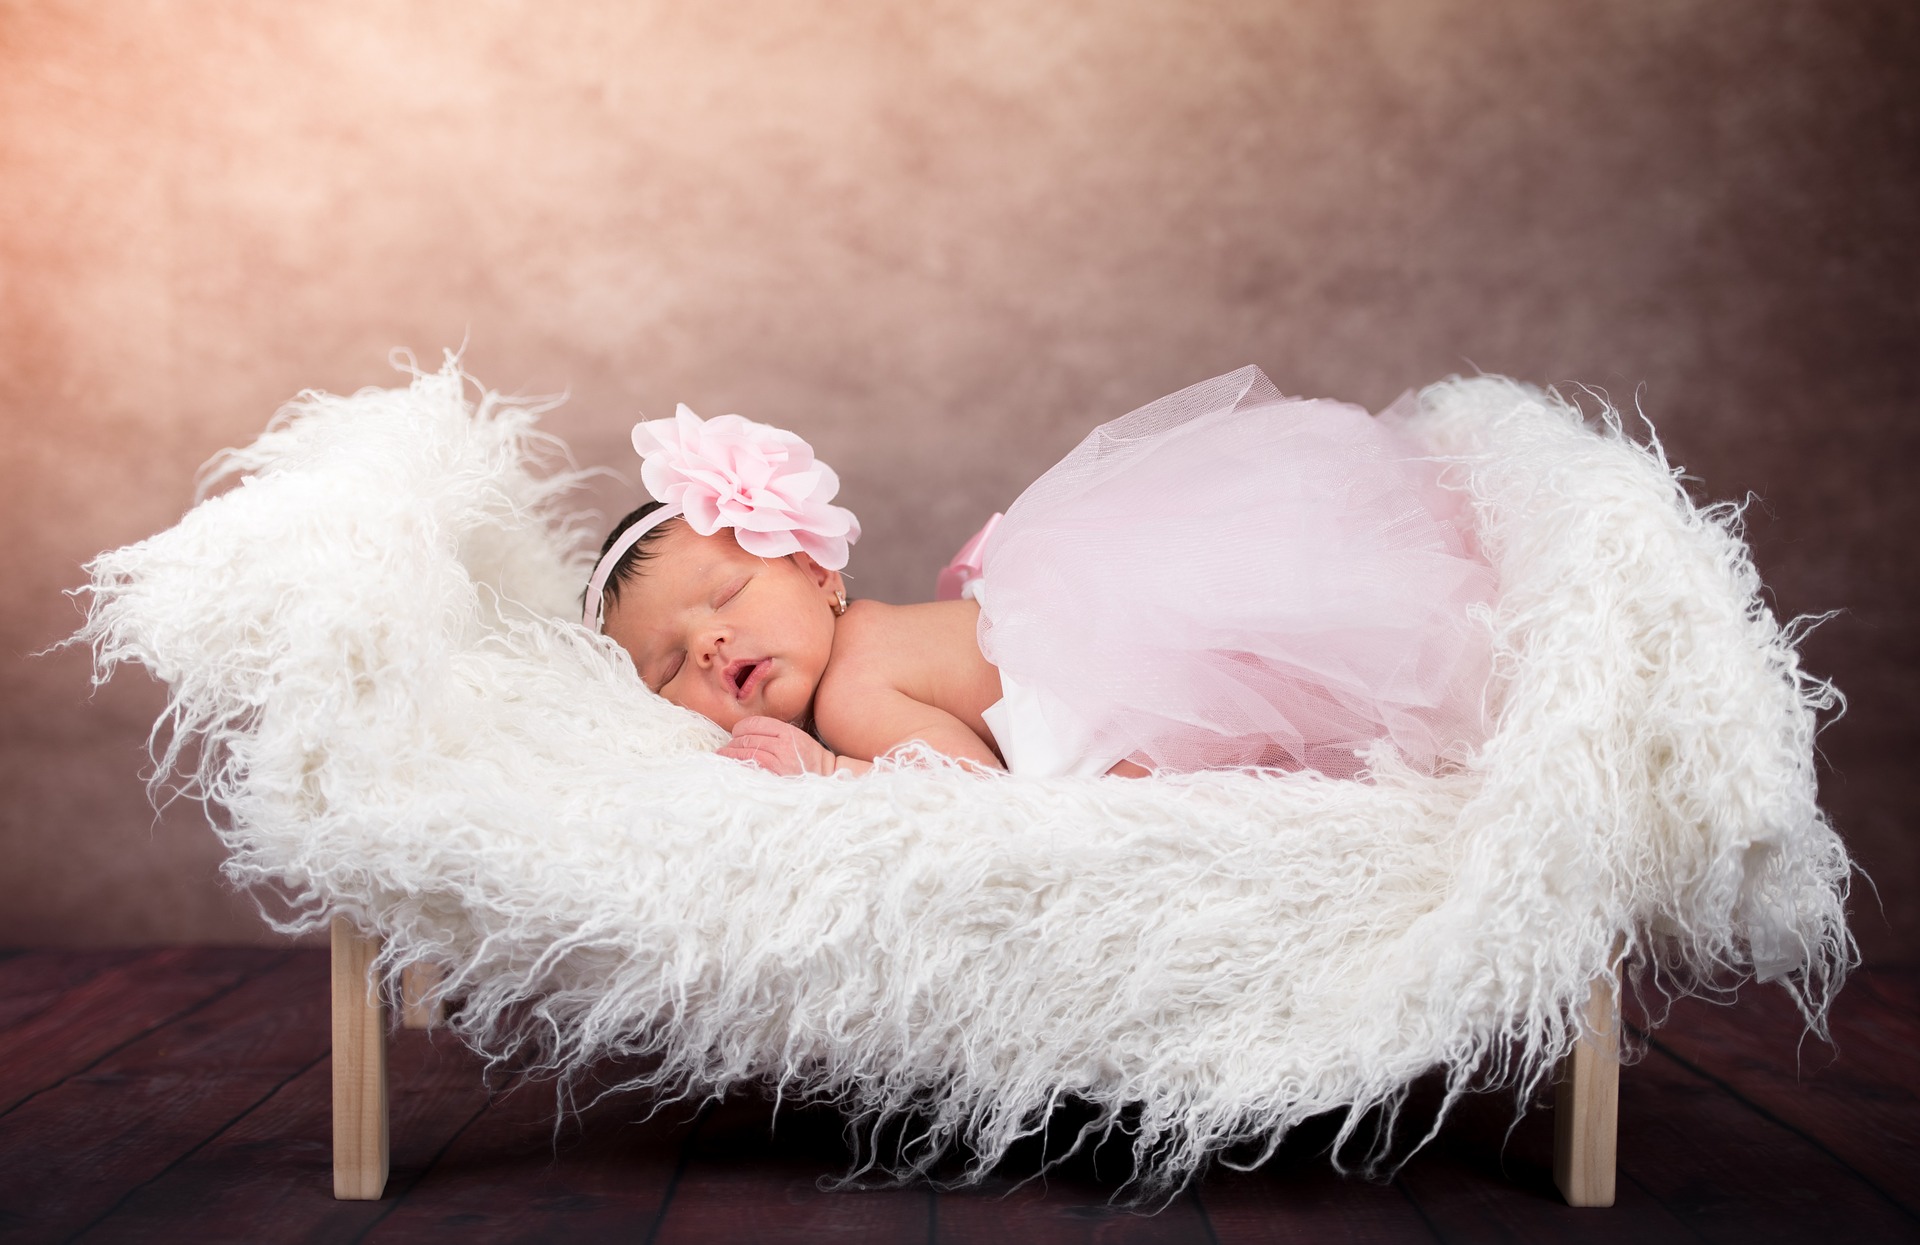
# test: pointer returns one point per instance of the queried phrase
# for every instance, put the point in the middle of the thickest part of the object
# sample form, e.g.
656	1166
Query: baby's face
725	633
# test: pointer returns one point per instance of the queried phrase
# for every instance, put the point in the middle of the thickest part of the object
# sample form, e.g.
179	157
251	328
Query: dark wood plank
1297	1198
115	1006
1264	1208
752	1177
1485	1179
1897	990
68	1154
605	1175
1072	1199
33	981
1731	1174
269	1175
1878	1016
210	1117
1859	1099
1050	1210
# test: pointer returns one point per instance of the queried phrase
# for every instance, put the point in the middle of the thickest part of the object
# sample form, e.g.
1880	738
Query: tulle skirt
1229	577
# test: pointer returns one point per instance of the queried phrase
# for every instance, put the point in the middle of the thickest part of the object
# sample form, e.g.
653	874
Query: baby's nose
712	644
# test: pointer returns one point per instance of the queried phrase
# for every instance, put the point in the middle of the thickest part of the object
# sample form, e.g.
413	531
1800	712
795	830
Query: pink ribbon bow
965	566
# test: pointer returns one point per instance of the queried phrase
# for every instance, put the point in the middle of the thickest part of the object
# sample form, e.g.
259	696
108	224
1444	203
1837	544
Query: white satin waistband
1037	734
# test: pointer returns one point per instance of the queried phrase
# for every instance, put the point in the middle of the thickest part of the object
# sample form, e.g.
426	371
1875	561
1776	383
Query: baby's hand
778	746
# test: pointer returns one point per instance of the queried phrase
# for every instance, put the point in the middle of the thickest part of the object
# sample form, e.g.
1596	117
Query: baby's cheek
785	698
724	713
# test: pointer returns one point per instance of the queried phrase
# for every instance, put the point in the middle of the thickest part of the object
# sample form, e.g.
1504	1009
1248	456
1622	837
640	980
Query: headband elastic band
590	614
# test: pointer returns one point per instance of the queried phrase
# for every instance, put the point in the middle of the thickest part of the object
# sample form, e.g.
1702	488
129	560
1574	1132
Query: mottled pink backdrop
941	239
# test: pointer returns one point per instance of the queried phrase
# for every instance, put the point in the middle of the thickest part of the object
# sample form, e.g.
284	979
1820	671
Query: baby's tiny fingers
765	757
755	743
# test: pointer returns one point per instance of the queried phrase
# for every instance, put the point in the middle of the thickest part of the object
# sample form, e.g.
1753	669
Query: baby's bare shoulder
859	677
897	640
863	641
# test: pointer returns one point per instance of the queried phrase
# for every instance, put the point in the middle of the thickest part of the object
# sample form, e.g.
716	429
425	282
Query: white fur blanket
378	685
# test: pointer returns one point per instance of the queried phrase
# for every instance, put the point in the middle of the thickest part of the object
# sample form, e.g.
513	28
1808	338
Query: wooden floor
183	1094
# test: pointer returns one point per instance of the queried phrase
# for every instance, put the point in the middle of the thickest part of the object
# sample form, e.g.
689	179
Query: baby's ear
819	574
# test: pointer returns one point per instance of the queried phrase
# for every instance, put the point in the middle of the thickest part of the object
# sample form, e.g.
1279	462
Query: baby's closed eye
672	670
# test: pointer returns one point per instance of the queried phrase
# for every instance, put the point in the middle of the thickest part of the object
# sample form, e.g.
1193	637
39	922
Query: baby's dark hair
629	564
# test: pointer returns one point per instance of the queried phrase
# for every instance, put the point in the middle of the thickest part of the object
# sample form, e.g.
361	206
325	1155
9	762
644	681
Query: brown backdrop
941	239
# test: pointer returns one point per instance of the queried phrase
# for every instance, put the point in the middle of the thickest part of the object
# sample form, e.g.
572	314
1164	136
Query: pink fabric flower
761	481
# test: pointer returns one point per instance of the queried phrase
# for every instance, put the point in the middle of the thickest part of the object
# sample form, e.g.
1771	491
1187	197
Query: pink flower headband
761	481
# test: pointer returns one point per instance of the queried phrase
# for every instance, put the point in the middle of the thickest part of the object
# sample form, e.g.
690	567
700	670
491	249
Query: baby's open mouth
746	676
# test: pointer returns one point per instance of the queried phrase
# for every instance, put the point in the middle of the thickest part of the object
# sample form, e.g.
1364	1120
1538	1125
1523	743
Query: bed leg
1586	1111
417	983
359	1068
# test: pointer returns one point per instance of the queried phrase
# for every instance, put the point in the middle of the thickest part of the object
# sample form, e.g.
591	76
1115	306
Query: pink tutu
1229	577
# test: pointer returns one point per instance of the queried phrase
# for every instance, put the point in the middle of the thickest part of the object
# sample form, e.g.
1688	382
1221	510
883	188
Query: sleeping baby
1225	578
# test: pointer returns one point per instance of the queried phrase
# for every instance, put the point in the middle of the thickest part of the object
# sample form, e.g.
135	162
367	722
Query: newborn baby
1226	578
771	649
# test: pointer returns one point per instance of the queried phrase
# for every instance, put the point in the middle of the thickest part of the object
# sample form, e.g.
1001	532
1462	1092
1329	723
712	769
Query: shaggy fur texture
378	687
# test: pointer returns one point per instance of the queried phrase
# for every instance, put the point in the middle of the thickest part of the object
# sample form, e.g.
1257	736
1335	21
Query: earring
839	605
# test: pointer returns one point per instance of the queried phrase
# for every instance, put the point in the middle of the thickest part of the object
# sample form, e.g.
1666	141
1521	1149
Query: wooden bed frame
1585	1115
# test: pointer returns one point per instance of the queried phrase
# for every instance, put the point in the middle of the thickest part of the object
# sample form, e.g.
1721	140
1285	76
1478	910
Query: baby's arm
860	724
870	719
